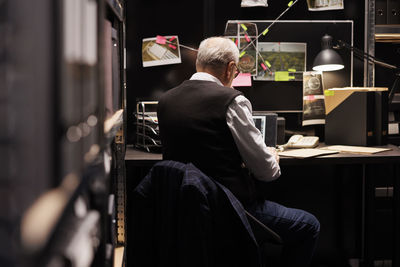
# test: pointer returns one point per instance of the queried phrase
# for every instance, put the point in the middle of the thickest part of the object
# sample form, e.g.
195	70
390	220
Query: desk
368	164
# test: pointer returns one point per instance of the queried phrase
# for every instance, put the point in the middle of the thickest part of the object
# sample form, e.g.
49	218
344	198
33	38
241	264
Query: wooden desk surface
138	157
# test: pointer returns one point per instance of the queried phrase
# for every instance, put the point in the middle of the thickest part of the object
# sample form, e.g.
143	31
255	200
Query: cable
264	32
184	46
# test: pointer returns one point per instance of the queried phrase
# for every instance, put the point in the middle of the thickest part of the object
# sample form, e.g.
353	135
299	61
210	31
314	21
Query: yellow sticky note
290	4
291	77
329	92
244	27
265	31
292	70
268	64
281	76
241	54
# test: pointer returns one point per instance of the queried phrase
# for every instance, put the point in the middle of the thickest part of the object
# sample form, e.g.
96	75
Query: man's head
219	57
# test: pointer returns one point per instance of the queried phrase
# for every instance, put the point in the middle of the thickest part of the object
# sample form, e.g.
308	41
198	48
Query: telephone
299	141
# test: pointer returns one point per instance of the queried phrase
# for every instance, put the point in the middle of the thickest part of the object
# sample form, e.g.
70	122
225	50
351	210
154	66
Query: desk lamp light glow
328	59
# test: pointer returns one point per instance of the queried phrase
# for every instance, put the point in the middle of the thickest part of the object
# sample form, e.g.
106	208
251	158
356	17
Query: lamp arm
383	64
361	54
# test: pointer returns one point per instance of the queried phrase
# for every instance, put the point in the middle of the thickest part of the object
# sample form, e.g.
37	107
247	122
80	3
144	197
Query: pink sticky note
263	66
310	97
243	79
161	39
172	46
172	38
236	42
247	38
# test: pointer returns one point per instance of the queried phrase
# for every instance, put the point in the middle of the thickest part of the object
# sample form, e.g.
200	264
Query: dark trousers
298	229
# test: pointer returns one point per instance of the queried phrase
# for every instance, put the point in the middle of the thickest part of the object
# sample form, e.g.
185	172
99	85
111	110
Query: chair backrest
183	218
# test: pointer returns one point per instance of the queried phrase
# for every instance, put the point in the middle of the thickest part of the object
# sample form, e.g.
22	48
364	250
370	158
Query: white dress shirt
255	154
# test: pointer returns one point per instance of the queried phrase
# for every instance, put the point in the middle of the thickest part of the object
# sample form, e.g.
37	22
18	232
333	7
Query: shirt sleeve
249	141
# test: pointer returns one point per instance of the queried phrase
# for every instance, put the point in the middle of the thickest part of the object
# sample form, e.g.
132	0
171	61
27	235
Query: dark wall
192	21
389	53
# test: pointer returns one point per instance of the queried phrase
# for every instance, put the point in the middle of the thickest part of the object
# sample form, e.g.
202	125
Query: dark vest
193	129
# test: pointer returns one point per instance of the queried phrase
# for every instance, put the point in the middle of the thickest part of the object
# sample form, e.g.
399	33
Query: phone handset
299	141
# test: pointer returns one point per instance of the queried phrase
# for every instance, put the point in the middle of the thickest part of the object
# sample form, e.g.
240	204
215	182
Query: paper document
313	98
252	3
161	50
306	153
243	79
356	149
321	5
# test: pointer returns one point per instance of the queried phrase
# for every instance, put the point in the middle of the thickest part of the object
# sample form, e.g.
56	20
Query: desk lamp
329	60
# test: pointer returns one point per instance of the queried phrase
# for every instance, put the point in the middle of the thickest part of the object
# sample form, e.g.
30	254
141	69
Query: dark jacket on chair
182	218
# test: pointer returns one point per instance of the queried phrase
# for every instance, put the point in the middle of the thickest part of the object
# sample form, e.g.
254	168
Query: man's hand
273	151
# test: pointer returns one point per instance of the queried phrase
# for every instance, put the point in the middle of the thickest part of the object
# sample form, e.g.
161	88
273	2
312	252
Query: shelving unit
116	7
379	34
375	35
63	150
115	15
389	35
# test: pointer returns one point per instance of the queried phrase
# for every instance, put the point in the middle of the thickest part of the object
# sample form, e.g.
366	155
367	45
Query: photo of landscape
280	57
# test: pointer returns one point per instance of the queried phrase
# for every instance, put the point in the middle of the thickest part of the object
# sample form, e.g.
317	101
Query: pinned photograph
161	50
281	61
251	3
313	99
248	57
244	35
321	5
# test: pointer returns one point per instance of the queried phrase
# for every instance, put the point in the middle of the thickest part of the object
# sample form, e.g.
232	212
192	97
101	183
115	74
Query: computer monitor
267	124
259	121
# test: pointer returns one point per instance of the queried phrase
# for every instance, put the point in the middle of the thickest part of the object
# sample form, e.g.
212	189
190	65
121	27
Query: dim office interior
79	85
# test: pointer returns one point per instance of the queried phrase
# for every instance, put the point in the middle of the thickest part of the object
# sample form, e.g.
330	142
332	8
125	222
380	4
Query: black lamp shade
328	59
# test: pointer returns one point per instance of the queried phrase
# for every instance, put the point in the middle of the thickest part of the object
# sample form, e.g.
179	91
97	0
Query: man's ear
230	69
229	73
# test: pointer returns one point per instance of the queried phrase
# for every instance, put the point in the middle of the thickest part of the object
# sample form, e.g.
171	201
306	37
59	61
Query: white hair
217	52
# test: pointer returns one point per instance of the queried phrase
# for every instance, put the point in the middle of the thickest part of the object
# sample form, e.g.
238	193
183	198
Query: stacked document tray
147	132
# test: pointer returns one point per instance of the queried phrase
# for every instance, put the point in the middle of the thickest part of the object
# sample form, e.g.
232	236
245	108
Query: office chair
267	240
181	217
262	232
264	235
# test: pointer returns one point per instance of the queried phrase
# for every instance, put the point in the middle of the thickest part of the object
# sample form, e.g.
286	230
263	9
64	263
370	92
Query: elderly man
206	122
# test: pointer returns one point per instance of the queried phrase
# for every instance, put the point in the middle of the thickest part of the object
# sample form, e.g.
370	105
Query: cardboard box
356	116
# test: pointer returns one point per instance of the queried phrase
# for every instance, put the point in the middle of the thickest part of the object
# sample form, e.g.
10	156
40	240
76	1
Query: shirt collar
204	76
